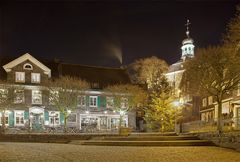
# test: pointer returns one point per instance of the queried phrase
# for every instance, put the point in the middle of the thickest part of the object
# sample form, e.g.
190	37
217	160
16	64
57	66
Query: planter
124	131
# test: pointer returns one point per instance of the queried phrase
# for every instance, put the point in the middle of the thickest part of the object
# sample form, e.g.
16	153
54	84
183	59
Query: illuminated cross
187	25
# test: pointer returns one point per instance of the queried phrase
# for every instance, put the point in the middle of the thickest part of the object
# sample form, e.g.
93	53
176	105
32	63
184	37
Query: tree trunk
65	123
219	120
3	122
120	123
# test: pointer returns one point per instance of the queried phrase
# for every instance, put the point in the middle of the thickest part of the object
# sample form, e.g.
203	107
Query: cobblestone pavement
35	152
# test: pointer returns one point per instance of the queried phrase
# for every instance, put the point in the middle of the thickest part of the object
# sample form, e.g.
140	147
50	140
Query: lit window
93	101
53	97
210	100
124	103
19	96
6	118
36	97
27	66
81	100
19	117
3	95
204	102
54	118
20	77
110	102
35	78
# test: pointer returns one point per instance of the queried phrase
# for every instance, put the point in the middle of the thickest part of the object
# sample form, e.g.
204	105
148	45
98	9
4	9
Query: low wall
226	139
49	138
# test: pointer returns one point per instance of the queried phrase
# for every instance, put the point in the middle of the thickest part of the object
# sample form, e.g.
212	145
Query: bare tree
126	98
8	99
213	72
63	94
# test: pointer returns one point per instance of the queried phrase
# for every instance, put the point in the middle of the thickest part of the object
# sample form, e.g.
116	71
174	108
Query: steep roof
102	75
176	67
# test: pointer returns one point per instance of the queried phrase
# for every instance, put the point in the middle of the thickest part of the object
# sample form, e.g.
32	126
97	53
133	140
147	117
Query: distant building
190	104
94	111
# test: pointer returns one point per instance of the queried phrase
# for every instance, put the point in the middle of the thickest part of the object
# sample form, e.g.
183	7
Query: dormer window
27	66
20	77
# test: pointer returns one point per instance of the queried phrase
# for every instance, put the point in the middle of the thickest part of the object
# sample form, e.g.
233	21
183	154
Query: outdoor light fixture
105	112
87	112
122	112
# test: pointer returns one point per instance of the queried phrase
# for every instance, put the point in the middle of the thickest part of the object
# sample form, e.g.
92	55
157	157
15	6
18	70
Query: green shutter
61	118
11	119
99	102
26	115
103	102
46	115
87	100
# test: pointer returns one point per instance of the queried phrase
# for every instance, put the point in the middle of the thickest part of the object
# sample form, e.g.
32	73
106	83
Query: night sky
98	32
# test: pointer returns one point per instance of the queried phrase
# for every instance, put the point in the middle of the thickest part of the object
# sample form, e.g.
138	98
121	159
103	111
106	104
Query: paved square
35	152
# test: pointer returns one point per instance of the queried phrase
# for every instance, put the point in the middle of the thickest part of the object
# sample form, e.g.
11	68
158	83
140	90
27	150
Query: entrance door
37	122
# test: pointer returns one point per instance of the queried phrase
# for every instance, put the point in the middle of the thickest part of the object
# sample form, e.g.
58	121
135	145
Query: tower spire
187	25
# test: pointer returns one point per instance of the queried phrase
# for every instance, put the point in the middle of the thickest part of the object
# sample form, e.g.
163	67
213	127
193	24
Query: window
20	77
110	102
72	118
81	100
53	97
36	97
35	78
19	117
93	101
124	103
6	118
54	118
27	66
210	100
3	95
19	96
204	102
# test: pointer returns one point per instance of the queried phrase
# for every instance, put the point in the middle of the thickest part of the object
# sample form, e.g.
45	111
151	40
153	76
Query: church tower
187	45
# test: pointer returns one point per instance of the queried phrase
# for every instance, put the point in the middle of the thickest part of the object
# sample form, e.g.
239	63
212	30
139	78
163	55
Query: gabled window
35	77
93	101
27	66
36	97
18	96
110	102
20	77
81	100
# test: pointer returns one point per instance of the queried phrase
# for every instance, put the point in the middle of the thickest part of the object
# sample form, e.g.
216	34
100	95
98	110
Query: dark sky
97	32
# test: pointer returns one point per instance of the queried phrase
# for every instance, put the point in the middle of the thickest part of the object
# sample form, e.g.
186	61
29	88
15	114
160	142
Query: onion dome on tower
187	45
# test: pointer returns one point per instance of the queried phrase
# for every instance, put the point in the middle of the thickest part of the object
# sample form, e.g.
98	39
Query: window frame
33	96
21	118
39	77
93	97
23	96
54	117
18	73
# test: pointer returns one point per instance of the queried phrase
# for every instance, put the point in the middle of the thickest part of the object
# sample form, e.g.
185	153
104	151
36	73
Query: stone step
145	143
150	138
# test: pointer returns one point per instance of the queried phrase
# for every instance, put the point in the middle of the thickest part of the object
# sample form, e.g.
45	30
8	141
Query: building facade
32	107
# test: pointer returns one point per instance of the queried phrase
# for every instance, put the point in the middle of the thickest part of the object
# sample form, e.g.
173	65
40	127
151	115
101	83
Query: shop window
72	118
93	101
54	118
19	117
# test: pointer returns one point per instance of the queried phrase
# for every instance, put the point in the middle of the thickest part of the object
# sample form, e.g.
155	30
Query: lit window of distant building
204	102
